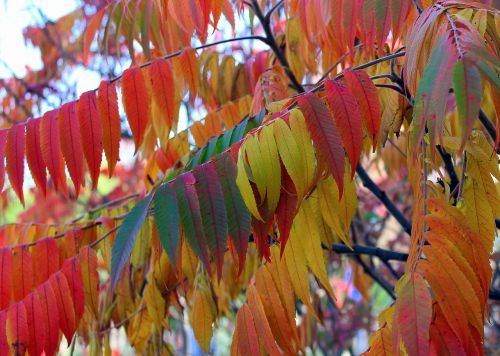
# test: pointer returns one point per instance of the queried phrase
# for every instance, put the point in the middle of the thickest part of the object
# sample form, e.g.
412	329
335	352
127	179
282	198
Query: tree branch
384	199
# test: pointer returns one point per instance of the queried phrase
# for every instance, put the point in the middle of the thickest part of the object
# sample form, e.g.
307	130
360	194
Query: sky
15	15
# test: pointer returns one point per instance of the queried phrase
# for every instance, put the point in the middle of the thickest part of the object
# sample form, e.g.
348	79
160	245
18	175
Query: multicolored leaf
17	328
14	154
167	220
34	156
36	325
325	135
50	317
45	259
22	272
64	305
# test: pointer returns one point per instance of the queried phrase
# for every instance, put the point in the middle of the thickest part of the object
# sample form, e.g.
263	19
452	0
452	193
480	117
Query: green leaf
167	220
239	218
124	242
189	212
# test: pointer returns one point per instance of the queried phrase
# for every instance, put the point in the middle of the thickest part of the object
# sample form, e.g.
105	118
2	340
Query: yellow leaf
271	168
244	185
290	153
201	318
301	135
155	303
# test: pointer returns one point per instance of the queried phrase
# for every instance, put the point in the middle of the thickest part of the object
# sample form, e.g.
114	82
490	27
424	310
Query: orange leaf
17	328
5	277
50	317
91	133
45	259
90	31
71	144
51	149
34	155
36	325
414	312
64	305
136	103
14	155
22	272
282	330
264	330
325	136
245	333
163	86
365	92
188	62
73	272
111	128
88	264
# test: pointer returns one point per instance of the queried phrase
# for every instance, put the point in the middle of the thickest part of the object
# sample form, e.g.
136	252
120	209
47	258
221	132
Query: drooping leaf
136	103
244	185
325	135
414	312
107	102
365	92
5	277
213	211
73	272
45	259
90	277
346	113
285	213
90	32
91	133
17	328
201	317
263	330
22	272
167	220
155	304
50	317
14	154
125	238
189	66
189	212
51	149
34	156
163	88
3	141
4	344
245	332
271	167
36	326
71	144
64	304
238	216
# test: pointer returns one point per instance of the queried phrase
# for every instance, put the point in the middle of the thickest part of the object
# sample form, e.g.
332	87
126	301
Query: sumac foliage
263	211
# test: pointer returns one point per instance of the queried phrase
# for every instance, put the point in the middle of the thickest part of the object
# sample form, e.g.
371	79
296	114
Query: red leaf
162	81
3	141
261	237
245	333
88	264
71	144
325	136
17	328
15	159
22	272
286	210
45	259
36	326
73	272
344	108
136	103
50	317
91	133
4	345
5	277
34	155
365	92
64	305
51	149
111	127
